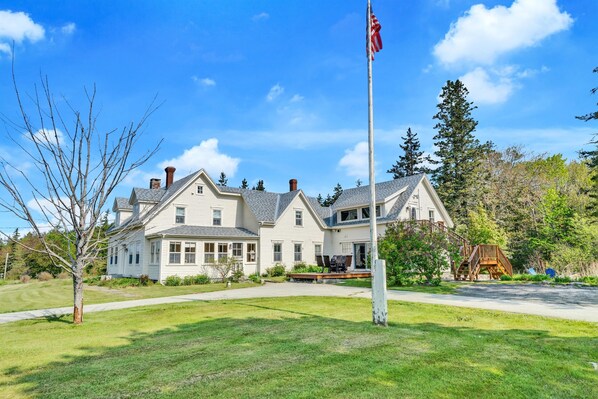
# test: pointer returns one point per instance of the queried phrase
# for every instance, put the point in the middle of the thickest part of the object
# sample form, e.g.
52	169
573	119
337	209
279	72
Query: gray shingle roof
148	194
208	231
121	203
361	195
263	204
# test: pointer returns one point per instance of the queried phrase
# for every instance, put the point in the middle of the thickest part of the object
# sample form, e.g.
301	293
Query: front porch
321	277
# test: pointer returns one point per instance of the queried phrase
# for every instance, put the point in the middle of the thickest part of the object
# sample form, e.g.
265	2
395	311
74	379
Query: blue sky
275	90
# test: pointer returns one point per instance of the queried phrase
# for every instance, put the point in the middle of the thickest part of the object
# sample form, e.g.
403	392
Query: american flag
376	38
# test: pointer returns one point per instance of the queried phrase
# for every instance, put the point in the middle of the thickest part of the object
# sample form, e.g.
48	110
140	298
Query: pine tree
358	183
459	152
591	158
222	180
259	186
336	192
244	184
412	161
320	200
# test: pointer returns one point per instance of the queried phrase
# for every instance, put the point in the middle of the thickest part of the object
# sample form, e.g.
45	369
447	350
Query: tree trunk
78	297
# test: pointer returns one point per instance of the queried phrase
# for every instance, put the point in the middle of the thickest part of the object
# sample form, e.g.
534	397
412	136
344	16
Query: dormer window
365	212
179	215
350	214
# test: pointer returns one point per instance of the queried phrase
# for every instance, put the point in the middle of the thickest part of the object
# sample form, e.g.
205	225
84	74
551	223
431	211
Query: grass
299	348
446	287
59	293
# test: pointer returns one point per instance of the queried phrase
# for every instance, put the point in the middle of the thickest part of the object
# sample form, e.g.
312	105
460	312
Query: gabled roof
121	204
146	195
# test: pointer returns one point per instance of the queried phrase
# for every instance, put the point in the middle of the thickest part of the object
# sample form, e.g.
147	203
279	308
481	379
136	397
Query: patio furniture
348	260
320	262
340	263
327	262
334	264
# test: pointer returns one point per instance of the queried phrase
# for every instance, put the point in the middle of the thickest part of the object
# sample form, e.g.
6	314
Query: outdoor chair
334	264
340	263
348	260
327	262
320	261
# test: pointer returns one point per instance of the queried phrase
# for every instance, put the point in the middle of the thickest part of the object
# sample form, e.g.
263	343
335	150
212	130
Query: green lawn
59	293
299	348
446	287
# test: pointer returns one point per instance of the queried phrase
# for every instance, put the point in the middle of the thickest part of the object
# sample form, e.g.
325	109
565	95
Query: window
297	252
208	249
190	252
199	189
155	252
130	250
318	249
217	217
413	214
116	256
110	251
351	214
431	215
365	212
346	248
179	215
298	218
137	249
238	250
222	251
251	252
175	252
277	248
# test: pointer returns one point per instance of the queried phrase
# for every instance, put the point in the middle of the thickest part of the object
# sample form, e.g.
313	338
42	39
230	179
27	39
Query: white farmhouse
187	225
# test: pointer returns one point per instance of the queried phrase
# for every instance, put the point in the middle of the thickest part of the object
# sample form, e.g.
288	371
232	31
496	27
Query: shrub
201	279
25	278
63	275
506	277
173	281
255	278
414	252
562	279
237	275
539	277
304	268
188	280
276	270
144	280
45	276
591	280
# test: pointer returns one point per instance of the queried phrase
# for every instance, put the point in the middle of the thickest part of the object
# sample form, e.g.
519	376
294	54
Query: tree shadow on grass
291	353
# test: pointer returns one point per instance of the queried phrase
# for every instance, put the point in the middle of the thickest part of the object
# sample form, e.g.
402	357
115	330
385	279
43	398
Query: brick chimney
293	185
155	183
169	175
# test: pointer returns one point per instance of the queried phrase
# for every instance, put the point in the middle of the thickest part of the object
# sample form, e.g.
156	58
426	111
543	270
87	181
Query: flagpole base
379	297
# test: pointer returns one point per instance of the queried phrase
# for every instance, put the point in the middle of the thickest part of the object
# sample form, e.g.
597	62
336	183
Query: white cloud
482	35
207	156
49	136
260	17
18	26
68	29
205	82
274	92
296	98
483	90
355	160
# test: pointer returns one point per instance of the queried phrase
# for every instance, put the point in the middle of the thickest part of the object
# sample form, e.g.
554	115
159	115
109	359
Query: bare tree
76	166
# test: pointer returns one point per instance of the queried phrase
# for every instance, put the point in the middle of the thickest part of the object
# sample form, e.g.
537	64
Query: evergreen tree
412	160
331	199
358	183
222	180
320	200
591	158
459	152
259	186
244	184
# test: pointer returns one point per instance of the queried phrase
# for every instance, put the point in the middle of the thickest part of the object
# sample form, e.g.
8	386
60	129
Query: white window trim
302	218
215	208
197	187
184	207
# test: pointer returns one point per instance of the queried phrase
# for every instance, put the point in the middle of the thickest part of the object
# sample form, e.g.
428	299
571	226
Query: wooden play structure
476	259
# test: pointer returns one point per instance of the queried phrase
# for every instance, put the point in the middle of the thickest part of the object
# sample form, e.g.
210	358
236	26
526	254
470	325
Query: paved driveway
586	309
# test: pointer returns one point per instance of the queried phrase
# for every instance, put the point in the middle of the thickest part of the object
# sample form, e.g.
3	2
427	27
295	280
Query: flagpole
379	301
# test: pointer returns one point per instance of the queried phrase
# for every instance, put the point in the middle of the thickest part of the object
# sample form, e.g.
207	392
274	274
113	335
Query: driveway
495	297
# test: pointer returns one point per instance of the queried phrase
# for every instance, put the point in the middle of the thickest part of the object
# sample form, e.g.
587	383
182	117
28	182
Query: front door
360	251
